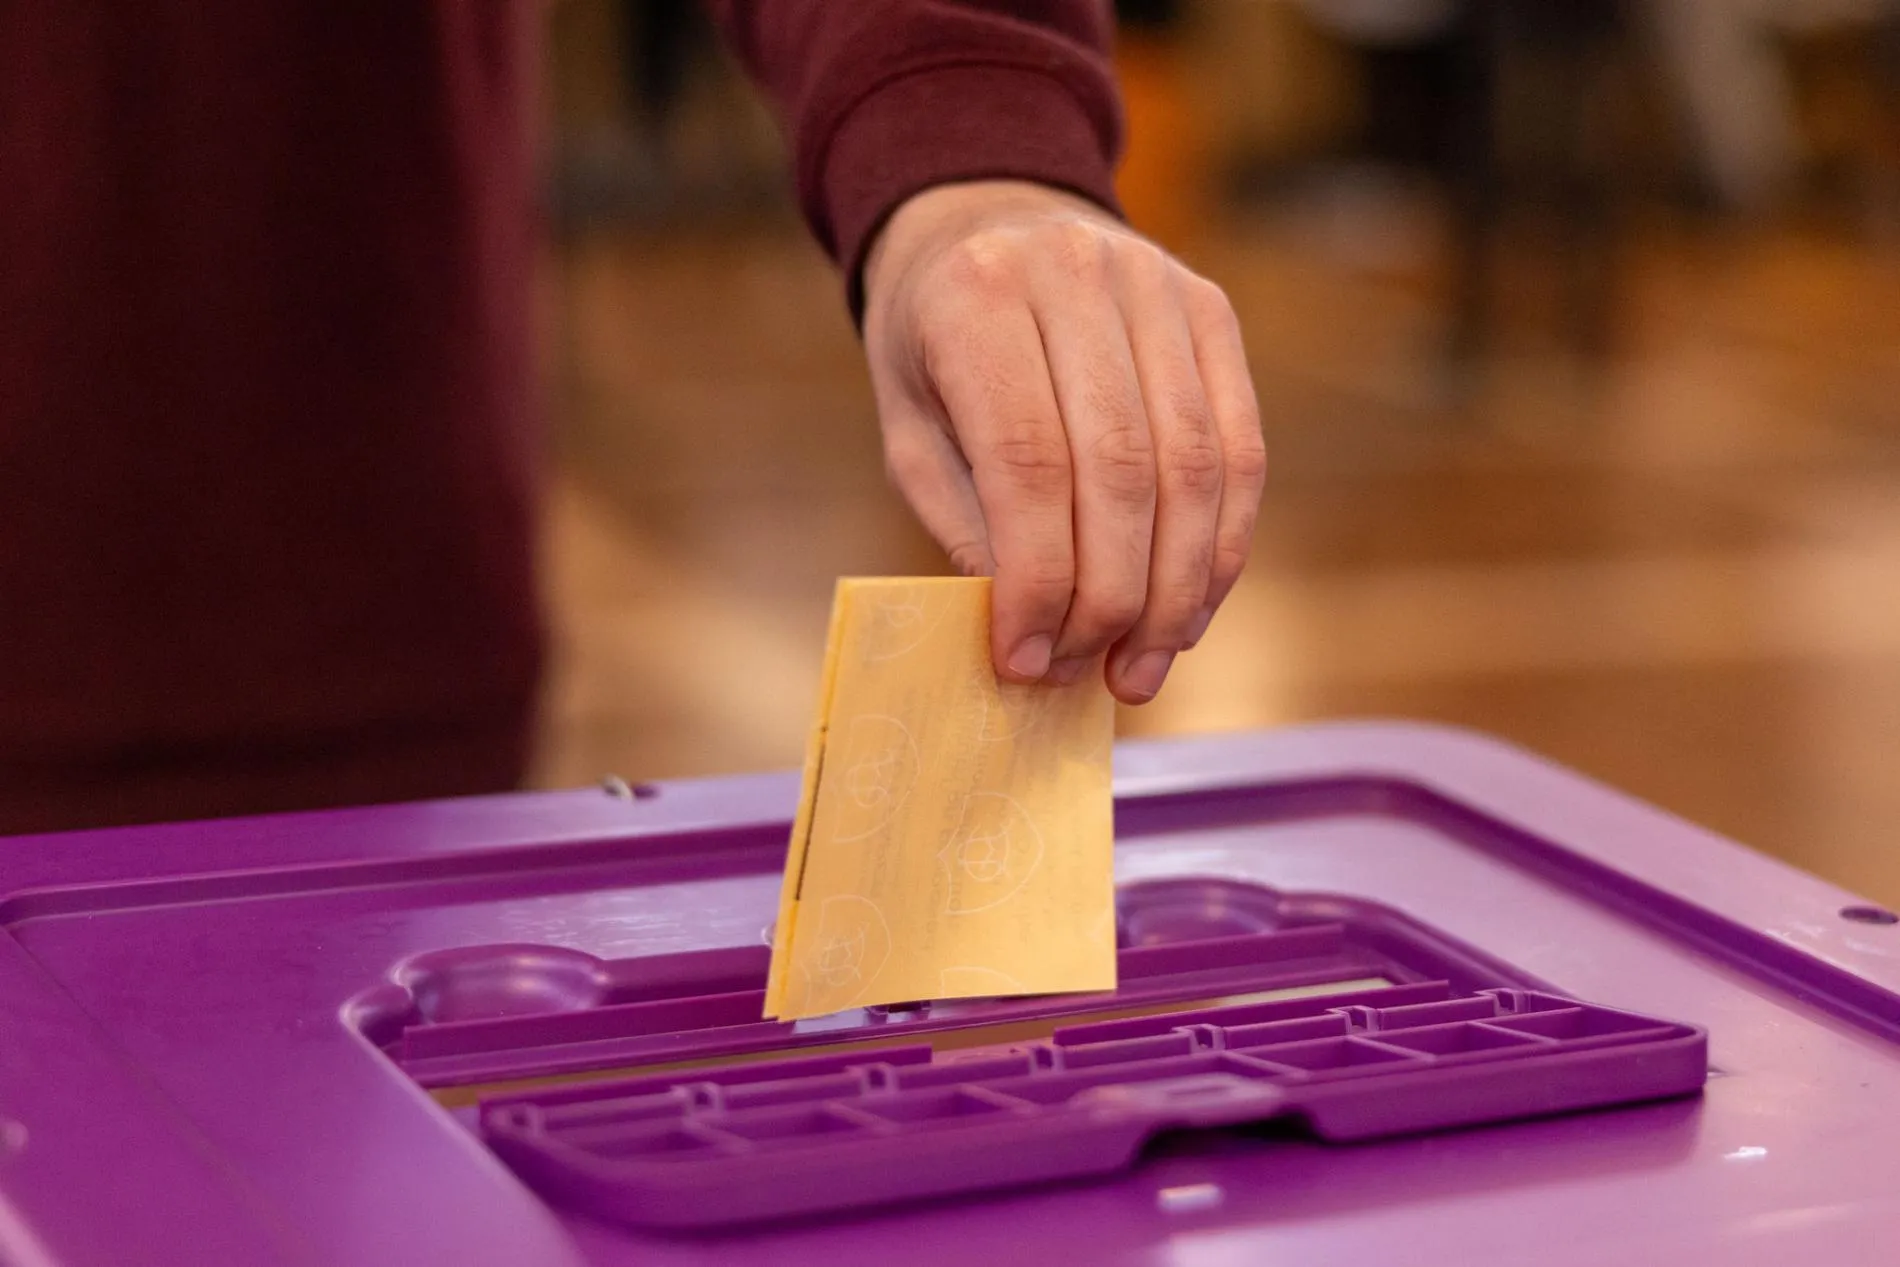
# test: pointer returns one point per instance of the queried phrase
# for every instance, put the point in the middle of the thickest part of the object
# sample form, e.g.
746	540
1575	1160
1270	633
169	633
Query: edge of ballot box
1711	881
63	1086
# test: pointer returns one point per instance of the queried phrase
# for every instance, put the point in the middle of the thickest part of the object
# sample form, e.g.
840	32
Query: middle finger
1092	368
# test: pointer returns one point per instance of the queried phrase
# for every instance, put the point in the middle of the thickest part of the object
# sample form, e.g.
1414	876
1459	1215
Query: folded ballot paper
955	834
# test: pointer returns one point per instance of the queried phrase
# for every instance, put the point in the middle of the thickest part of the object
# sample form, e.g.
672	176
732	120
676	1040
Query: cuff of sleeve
956	123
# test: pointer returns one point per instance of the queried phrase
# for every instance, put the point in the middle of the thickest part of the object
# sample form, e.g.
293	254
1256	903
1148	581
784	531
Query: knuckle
1173	606
1043	584
1194	465
1232	544
1117	613
1079	249
1246	456
984	265
1230	556
1033	456
1145	259
1098	619
1206	298
1121	463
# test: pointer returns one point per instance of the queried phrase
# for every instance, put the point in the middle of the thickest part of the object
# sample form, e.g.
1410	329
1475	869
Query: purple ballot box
1388	994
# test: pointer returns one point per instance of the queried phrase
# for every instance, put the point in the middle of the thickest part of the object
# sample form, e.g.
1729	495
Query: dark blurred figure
661	40
1497	102
268	436
1448	104
267	410
267	453
1148	17
632	168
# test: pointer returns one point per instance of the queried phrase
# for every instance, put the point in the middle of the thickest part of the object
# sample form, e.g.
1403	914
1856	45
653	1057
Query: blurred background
1577	333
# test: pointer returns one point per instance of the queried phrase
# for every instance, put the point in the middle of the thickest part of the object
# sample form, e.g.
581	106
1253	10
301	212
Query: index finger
990	372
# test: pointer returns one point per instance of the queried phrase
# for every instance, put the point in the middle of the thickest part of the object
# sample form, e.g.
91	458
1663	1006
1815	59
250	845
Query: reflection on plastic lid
1189	1198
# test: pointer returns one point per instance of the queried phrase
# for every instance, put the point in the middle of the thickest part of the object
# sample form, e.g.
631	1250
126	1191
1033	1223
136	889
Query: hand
1068	409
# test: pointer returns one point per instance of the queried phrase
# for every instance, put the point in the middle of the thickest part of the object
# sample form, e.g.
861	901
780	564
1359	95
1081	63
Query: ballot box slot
653	1092
961	1041
475	1020
729	1146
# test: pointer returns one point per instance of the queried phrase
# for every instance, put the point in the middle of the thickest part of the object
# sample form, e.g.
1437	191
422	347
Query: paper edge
783	931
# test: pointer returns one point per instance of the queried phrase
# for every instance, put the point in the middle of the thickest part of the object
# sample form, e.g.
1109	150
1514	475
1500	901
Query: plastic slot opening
1461	1039
1334	1055
783	1125
1574	1023
999	1034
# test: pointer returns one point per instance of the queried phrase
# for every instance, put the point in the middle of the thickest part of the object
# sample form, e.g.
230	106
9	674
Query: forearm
883	98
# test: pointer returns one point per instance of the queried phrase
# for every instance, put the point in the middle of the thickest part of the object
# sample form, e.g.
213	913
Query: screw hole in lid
1869	915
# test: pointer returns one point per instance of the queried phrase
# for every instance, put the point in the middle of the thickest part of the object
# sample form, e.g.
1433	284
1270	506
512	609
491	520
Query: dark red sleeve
884	98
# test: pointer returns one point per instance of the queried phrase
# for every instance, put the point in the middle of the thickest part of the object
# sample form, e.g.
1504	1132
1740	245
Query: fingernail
1030	660
1145	676
1067	672
1198	630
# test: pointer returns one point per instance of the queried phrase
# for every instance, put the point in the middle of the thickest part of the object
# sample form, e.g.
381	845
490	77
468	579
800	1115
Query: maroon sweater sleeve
884	98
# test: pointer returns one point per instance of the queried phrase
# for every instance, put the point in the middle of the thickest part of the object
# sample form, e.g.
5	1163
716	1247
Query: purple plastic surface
219	1042
762	1141
482	1014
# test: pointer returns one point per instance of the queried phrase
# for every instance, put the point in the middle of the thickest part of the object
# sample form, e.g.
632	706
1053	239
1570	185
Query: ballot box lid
1388	993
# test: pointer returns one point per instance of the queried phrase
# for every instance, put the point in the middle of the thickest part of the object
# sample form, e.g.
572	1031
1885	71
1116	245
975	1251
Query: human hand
1068	409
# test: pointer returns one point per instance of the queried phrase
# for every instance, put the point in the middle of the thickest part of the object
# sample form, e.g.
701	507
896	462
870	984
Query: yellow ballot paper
955	835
